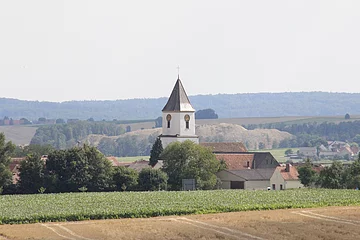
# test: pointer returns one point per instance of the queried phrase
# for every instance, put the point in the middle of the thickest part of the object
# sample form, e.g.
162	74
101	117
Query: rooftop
178	100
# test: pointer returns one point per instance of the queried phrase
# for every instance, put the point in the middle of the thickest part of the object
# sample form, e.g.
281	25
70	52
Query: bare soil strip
319	223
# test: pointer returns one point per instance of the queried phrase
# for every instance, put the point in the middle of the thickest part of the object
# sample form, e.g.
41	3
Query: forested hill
225	105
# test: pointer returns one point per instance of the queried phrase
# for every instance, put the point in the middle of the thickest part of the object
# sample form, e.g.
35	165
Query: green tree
6	151
31	174
125	178
25	121
357	139
352	175
289	151
188	160
69	170
306	173
60	121
32	149
155	152
206	114
152	179
332	177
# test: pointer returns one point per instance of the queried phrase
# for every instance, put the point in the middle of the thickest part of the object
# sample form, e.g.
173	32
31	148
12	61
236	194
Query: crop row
84	206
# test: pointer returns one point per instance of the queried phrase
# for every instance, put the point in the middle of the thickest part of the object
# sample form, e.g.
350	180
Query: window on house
168	125
187	124
281	187
273	187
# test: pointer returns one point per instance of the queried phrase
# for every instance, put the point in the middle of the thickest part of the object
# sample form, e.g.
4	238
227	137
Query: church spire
178	100
178	68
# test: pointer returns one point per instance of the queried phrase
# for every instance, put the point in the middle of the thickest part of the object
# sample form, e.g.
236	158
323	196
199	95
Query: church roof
178	100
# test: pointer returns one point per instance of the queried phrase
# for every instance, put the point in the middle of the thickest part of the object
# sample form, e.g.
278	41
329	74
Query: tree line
335	176
62	136
85	168
226	106
314	134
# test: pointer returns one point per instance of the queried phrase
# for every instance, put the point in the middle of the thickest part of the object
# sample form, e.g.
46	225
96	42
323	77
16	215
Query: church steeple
178	100
178	117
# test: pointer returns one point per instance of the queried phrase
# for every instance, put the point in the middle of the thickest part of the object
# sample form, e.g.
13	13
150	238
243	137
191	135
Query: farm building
256	170
251	179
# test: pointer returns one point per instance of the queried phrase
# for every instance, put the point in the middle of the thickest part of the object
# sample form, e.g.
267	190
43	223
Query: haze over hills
225	105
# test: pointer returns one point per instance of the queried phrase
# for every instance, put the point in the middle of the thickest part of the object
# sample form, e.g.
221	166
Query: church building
178	118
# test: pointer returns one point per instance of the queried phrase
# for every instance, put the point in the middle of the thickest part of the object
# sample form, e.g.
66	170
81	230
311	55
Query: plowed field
315	223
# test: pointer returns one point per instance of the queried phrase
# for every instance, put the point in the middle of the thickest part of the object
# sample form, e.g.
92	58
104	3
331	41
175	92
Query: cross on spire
178	68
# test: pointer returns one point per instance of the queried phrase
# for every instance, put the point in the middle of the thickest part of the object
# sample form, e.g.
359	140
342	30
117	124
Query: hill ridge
226	106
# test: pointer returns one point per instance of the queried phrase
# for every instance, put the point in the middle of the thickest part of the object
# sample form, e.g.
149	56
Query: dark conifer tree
156	150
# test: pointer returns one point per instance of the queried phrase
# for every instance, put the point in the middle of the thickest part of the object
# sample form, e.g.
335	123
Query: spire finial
178	68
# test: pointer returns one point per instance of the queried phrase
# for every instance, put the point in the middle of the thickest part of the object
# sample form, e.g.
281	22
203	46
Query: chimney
287	169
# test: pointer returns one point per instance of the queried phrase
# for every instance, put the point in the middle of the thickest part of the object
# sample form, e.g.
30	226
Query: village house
338	149
308	152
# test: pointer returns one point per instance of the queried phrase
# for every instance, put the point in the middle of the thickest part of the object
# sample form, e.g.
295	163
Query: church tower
178	117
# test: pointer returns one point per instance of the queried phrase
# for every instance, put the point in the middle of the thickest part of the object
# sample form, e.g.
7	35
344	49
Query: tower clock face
187	117
168	117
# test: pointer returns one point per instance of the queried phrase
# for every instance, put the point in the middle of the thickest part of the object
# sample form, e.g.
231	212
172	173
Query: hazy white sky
83	50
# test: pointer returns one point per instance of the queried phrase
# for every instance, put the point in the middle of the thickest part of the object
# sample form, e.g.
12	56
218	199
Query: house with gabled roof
290	175
250	170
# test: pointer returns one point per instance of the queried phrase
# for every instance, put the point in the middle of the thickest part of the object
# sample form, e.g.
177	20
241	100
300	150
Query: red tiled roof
225	147
139	165
354	149
291	175
236	161
14	168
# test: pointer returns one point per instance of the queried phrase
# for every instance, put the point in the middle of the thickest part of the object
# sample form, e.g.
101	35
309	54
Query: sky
107	50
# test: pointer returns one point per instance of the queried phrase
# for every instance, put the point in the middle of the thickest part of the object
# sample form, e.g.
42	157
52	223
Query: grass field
83	206
20	135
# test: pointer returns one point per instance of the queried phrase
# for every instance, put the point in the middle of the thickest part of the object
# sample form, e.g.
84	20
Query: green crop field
83	206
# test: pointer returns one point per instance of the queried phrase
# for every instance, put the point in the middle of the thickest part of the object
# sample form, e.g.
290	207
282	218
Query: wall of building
226	179
278	180
257	185
293	184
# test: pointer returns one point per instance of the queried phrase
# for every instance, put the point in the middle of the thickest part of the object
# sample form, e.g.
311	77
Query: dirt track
316	223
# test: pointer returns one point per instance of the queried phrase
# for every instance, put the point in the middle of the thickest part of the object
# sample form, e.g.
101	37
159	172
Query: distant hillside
19	135
138	143
225	105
